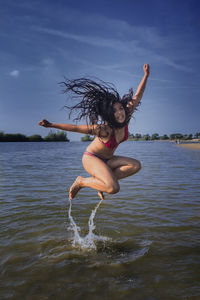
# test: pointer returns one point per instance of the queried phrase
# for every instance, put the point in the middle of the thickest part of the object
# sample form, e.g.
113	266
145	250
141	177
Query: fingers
44	123
146	68
41	123
130	104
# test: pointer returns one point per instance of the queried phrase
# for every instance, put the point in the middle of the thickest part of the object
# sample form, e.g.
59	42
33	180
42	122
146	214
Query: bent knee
136	166
113	188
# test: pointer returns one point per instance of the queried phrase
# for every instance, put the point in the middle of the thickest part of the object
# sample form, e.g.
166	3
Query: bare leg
94	183
81	182
102	180
123	167
76	186
104	177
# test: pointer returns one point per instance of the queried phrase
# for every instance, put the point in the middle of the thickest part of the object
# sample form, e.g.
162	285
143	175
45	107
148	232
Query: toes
74	188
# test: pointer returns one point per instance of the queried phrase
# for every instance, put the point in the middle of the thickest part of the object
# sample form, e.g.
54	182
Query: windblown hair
96	101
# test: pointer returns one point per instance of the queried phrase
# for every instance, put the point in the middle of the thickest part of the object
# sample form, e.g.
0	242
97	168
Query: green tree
187	136
131	136
146	137
138	136
87	138
197	135
35	138
50	137
164	137
1	136
174	136
60	136
155	136
15	137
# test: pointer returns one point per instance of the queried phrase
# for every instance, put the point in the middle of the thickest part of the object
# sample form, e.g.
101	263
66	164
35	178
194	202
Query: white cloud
14	73
140	45
91	40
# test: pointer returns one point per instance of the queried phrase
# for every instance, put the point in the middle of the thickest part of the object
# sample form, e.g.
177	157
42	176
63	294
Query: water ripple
151	225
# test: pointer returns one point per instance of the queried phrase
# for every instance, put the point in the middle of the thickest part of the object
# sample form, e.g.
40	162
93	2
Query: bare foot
101	195
76	186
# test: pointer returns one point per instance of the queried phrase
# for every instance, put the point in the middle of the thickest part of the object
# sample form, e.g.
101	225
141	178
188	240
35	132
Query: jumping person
107	118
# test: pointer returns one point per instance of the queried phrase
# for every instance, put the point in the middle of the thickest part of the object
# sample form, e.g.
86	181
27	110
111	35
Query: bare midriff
98	148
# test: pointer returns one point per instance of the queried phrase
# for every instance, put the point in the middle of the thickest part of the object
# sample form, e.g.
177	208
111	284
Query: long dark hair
96	101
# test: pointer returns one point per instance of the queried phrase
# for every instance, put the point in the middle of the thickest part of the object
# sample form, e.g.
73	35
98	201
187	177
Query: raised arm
86	129
140	90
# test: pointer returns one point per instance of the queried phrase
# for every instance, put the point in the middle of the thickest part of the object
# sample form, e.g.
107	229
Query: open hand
146	69
45	123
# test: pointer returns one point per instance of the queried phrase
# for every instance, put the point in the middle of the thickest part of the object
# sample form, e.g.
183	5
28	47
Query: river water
146	237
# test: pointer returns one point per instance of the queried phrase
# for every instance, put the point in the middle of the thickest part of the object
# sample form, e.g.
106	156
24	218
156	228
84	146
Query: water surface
150	248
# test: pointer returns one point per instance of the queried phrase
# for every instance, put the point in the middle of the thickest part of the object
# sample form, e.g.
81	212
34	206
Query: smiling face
119	112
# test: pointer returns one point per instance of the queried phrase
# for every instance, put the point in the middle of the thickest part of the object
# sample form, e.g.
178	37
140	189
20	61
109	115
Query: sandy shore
195	146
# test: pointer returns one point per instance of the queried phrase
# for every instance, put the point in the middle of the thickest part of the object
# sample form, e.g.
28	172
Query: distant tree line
156	136
153	137
59	136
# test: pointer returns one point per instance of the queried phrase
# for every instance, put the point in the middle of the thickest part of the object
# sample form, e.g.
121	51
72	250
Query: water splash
87	242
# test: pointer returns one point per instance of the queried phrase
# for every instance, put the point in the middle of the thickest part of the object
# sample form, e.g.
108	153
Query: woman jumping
107	118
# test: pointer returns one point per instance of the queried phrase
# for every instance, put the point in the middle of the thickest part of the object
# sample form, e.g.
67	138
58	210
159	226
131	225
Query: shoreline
194	146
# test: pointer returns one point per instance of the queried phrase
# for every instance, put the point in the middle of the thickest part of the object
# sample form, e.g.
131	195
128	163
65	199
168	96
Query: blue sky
42	41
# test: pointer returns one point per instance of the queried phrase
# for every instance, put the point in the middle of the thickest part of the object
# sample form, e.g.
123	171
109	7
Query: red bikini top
112	143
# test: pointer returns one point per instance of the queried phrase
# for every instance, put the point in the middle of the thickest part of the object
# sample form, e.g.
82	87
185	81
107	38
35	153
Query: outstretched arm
140	90
86	129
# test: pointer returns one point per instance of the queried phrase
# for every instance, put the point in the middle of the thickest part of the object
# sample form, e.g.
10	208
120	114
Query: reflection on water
145	240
